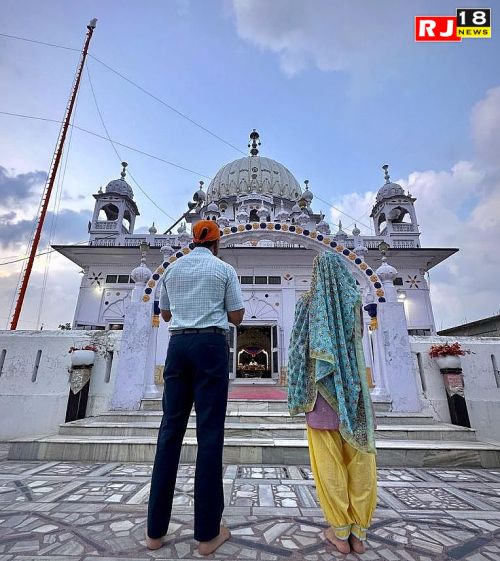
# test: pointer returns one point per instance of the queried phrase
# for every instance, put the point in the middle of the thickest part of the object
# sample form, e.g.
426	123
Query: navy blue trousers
196	371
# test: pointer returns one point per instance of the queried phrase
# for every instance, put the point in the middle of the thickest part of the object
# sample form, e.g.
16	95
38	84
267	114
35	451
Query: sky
335	89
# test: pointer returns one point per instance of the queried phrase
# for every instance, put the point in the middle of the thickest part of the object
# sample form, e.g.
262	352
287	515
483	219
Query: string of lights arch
307	238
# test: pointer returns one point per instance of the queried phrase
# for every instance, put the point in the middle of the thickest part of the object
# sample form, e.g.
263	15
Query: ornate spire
124	170
387	177
254	143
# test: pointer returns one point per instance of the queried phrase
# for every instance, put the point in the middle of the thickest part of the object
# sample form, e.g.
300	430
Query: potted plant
447	355
82	356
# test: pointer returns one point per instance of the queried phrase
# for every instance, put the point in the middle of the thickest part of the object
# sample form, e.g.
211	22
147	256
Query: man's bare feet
154	543
342	545
206	548
357	545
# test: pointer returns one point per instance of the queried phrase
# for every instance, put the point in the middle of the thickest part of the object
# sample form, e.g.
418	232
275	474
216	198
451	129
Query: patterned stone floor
55	511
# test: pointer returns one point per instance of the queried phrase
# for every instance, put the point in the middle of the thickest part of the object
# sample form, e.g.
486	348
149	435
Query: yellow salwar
346	482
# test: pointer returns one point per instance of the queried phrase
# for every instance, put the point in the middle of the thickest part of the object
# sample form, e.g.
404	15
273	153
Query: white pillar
134	355
396	357
393	346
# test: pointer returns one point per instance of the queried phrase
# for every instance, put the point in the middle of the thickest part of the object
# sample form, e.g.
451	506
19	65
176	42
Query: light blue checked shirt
199	289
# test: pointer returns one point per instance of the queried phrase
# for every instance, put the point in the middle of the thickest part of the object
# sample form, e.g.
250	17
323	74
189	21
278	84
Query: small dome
389	189
302	219
340	233
167	250
307	195
282	215
120	186
152	229
212	207
361	250
386	272
356	231
262	212
141	274
200	195
323	226
242	213
223	221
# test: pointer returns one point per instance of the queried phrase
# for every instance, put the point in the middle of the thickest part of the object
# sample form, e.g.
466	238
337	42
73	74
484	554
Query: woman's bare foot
206	548
154	543
357	545
342	545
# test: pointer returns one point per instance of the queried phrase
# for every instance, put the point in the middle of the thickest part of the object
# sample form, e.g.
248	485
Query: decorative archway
282	232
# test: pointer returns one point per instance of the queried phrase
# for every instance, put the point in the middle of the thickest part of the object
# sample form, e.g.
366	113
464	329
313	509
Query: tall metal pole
28	265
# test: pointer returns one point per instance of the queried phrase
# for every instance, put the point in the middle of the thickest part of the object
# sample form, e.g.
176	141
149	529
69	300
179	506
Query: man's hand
166	315
236	317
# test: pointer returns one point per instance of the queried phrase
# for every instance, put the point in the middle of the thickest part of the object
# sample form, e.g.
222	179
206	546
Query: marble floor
96	512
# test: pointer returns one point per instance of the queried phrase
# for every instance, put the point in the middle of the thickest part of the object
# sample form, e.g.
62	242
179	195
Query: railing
130	242
108	242
403	227
111	225
373	243
403	243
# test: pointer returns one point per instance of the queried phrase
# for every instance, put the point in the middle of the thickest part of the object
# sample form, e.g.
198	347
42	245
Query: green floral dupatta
326	353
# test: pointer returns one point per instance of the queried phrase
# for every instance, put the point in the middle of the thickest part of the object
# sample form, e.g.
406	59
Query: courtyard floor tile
55	511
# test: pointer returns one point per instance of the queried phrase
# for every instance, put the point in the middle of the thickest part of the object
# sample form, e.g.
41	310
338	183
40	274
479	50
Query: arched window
382	223
108	212
400	215
254	216
127	220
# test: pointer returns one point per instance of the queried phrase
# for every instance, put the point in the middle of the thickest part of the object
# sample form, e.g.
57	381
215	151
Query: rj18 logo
469	23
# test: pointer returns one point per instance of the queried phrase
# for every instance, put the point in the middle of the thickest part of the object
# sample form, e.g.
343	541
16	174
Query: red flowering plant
447	349
86	348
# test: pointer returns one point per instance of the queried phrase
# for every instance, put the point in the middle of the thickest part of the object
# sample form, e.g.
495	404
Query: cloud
485	121
70	226
330	34
60	296
458	207
15	189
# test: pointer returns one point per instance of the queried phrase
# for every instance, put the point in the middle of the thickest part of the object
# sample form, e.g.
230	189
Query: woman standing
327	382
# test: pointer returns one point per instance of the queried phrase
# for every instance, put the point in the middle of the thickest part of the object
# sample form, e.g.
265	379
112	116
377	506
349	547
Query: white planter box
448	362
82	358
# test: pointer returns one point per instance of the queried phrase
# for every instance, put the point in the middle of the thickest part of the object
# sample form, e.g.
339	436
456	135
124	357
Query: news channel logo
468	23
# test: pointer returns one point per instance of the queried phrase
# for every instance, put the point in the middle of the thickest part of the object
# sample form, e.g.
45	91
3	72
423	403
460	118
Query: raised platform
257	431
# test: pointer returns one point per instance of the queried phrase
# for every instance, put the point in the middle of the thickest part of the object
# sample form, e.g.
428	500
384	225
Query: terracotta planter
82	358
448	361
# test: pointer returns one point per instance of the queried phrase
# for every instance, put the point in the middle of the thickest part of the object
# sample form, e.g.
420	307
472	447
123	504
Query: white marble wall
38	407
481	384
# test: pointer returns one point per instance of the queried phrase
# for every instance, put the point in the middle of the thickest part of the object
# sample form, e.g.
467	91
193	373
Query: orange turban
205	231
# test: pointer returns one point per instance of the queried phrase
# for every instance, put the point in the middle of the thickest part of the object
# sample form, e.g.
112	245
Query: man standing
199	295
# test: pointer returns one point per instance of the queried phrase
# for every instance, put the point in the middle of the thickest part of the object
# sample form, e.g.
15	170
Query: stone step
383	418
257	430
243	405
401	453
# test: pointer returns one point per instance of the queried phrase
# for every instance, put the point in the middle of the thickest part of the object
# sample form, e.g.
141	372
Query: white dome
120	187
390	190
307	195
254	174
386	272
141	274
212	207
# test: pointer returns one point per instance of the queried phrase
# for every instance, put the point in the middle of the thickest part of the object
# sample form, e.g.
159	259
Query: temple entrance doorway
254	353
